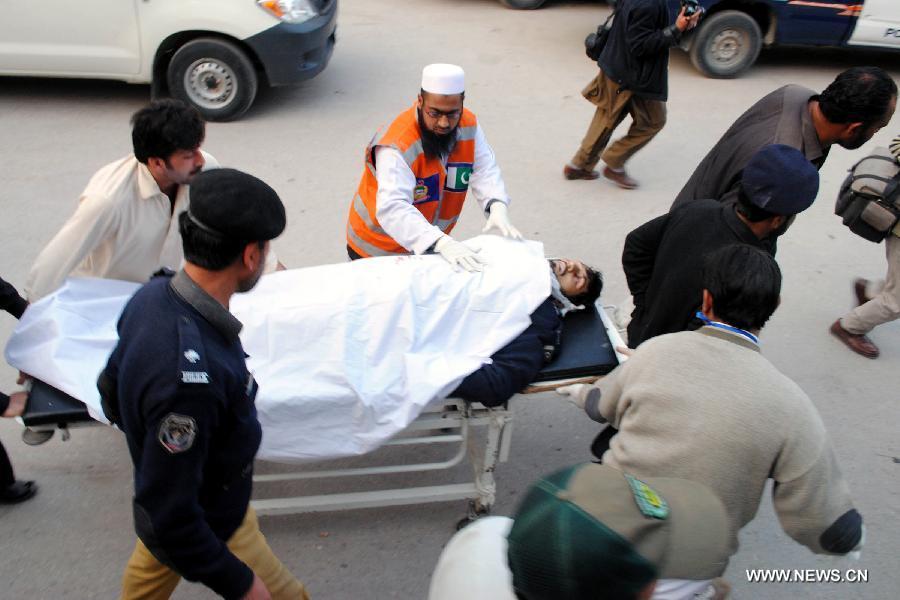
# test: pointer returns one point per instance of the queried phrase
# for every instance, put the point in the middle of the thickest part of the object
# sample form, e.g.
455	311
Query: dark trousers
7	477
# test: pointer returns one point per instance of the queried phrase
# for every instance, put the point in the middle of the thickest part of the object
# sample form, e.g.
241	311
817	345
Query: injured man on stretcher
514	366
346	355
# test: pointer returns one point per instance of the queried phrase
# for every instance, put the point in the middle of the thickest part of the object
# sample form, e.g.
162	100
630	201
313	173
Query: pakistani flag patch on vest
458	176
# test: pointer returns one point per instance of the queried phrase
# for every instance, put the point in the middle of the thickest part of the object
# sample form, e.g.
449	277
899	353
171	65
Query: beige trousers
147	579
647	118
885	305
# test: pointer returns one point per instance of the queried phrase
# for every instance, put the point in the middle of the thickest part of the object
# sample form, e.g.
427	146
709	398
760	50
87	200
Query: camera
691	7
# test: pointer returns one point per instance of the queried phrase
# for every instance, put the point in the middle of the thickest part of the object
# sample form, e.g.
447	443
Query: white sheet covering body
346	355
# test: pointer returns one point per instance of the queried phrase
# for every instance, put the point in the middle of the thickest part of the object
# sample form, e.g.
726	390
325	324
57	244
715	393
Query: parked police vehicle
732	32
213	54
729	37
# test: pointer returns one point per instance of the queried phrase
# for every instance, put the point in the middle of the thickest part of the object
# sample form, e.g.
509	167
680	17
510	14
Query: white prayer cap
443	79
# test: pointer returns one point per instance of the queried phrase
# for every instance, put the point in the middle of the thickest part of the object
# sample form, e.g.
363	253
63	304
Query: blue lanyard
727	327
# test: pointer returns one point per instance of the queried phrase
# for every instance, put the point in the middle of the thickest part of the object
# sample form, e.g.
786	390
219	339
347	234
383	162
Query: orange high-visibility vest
437	196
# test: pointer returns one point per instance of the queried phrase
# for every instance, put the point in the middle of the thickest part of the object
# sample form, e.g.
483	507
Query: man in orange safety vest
417	174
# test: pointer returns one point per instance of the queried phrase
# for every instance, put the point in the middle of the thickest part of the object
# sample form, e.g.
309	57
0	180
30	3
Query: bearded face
437	145
439	117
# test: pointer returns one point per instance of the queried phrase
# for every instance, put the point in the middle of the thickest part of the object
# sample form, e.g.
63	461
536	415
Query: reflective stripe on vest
440	201
446	224
465	133
364	248
360	209
412	153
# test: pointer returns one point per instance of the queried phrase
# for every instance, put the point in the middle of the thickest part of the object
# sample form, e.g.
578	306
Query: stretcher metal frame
454	419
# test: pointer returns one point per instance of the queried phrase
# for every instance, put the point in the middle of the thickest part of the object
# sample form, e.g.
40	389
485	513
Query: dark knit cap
235	206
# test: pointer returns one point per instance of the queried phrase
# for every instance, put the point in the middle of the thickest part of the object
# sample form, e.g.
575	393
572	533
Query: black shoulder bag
595	41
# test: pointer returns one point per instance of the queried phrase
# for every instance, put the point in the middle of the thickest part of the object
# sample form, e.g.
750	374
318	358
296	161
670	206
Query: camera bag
869	200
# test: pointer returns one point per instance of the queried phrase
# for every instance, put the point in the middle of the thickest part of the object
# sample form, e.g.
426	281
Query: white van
212	54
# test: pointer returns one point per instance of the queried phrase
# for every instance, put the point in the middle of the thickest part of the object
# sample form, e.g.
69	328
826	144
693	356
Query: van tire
726	44
215	77
523	4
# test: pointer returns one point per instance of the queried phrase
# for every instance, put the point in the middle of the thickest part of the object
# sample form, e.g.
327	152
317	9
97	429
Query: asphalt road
525	71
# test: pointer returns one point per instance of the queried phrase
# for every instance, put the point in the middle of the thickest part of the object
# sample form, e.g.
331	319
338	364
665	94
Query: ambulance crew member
417	174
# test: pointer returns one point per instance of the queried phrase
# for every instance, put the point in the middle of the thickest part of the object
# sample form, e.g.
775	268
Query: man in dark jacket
177	385
662	258
633	79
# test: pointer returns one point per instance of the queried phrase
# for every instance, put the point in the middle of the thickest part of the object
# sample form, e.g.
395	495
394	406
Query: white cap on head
443	79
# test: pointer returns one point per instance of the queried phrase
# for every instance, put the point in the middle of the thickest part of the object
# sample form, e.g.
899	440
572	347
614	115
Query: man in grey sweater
706	406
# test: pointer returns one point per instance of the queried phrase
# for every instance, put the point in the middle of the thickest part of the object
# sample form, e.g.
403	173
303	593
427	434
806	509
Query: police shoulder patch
649	502
177	433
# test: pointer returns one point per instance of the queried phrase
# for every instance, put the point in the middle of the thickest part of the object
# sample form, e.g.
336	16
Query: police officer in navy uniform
178	386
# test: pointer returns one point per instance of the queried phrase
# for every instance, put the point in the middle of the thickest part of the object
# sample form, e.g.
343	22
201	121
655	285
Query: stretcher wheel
36	438
474	512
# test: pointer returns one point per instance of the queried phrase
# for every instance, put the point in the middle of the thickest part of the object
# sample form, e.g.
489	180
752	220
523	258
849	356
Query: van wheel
213	76
523	4
726	44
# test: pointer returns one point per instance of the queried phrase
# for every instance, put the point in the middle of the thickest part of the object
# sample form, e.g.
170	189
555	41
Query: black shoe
18	491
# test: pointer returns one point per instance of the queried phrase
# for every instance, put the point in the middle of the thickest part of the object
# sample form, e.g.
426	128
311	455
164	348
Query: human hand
574	393
459	255
684	22
17	402
624	350
499	219
24	379
257	590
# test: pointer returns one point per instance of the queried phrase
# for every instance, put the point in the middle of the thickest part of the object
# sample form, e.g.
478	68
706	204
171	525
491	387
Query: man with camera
633	79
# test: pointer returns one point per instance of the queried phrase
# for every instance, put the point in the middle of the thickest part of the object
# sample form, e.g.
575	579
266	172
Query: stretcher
587	352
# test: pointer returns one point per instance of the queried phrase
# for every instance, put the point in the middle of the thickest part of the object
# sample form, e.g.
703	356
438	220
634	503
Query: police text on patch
195	377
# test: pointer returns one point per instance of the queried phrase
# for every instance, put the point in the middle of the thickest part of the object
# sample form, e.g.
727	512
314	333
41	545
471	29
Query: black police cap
780	180
236	206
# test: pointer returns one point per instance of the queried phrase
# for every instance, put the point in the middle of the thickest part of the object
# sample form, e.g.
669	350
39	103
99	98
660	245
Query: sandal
18	491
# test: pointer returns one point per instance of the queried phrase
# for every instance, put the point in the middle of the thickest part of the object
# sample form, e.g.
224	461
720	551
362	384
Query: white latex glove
459	255
574	393
499	219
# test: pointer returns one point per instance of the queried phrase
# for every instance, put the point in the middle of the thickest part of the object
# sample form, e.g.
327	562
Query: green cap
592	531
